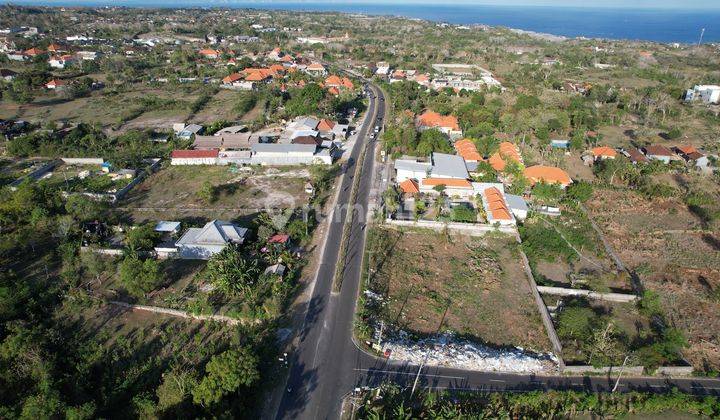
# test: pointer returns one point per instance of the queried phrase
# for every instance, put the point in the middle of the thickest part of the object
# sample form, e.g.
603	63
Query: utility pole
702	32
382	324
427	355
622	368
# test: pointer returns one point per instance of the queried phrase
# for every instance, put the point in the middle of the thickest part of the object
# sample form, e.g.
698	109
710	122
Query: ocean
660	25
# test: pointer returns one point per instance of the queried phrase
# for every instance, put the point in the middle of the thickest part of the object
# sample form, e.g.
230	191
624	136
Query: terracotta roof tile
549	174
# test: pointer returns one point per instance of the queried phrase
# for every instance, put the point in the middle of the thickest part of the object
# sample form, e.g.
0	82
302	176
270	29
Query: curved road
327	364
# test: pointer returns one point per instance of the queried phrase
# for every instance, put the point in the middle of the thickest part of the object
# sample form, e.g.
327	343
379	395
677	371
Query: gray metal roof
283	148
411	165
216	232
449	166
515	202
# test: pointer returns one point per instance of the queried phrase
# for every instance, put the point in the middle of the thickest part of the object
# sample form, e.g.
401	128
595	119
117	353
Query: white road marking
496	380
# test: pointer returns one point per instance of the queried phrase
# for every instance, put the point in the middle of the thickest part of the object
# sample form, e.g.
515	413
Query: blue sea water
661	25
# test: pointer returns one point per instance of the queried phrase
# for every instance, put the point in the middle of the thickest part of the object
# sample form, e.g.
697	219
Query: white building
709	94
203	243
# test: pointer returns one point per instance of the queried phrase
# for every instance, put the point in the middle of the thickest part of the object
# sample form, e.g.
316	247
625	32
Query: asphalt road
327	364
319	375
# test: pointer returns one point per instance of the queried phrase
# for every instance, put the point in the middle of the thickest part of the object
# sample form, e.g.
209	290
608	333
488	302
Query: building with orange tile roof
232	78
32	52
686	149
604	152
447	124
55	84
325	125
496	208
409	186
506	151
466	148
454	183
547	174
209	53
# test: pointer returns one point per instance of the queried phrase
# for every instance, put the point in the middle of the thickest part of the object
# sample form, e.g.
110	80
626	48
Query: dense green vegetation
394	402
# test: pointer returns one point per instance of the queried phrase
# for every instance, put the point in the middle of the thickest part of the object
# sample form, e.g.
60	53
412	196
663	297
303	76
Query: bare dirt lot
176	192
475	286
675	255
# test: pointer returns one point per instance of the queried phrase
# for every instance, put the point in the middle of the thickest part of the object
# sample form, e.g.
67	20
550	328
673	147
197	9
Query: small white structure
518	206
709	94
411	169
167	227
203	243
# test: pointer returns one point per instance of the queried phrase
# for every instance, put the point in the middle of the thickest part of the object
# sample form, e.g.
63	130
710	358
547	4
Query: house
194	157
290	154
693	156
450	186
547	174
226	141
603	152
635	156
203	243
409	187
382	69
7	75
88	55
60	62
659	152
34	52
167	227
518	206
447	124
467	150
55	48
560	144
506	151
209	53
448	166
55	84
316	69
411	169
709	94
496	208
188	131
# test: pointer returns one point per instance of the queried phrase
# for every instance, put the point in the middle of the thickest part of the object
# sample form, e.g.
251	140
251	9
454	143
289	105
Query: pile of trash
446	350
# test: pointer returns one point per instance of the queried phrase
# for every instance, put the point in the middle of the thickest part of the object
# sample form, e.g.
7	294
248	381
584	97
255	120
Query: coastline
663	26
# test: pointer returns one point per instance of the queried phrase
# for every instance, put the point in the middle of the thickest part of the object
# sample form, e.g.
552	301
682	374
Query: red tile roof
279	238
448	182
549	174
658	150
496	203
433	119
604	151
409	186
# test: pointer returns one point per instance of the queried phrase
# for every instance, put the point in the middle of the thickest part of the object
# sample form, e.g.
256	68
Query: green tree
232	274
142	238
139	277
580	191
225	374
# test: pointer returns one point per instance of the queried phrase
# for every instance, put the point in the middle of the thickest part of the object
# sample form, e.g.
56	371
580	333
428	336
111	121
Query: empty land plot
216	191
580	324
480	282
676	257
566	251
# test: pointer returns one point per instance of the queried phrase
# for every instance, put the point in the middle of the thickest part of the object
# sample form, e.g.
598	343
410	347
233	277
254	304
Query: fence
467	228
631	370
36	174
83	161
611	297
